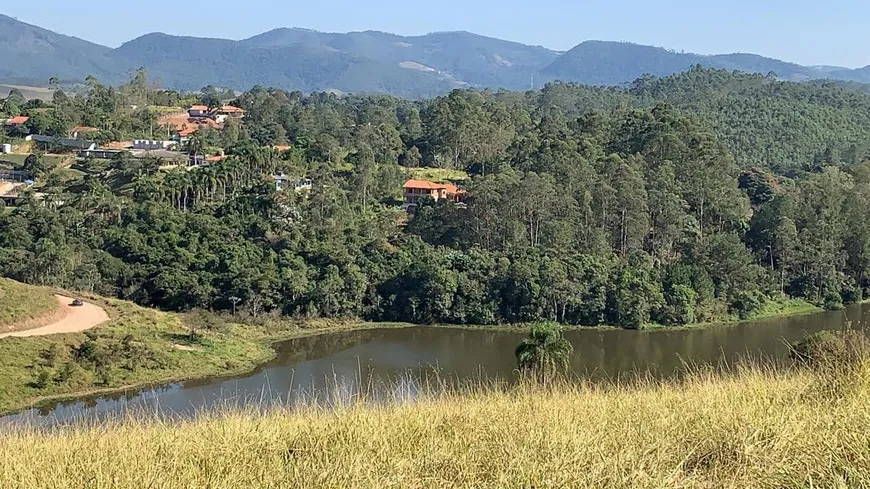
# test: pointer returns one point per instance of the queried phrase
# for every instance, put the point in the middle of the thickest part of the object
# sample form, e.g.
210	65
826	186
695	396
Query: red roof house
414	190
17	121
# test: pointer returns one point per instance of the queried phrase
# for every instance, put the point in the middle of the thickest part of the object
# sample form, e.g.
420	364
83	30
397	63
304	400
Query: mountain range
368	62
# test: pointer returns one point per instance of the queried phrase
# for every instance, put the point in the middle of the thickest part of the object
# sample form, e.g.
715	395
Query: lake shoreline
268	341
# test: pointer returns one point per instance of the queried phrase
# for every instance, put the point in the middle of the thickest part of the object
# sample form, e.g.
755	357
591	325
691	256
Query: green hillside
763	121
20	302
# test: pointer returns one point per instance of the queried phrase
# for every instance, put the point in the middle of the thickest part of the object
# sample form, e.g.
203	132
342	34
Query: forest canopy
692	198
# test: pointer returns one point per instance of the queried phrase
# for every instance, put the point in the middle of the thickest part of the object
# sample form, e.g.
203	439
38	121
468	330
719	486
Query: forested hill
763	121
697	197
361	62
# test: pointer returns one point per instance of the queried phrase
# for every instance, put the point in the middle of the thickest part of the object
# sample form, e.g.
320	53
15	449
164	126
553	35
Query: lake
386	364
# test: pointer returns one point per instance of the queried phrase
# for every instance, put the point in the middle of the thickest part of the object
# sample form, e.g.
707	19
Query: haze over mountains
418	66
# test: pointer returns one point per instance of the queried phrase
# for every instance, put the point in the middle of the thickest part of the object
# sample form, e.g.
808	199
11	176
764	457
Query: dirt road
76	319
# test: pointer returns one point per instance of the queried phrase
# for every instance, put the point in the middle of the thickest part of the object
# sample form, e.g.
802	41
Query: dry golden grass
750	429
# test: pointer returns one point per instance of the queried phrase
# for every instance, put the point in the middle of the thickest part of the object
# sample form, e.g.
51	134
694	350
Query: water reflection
390	364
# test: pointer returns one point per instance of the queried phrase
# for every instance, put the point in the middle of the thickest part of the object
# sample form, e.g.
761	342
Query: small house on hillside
49	142
13	176
17	121
283	181
415	190
228	112
219	114
147	144
198	111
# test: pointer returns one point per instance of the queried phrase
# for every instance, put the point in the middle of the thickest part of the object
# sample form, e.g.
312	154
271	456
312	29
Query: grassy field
752	428
53	160
20	303
438	175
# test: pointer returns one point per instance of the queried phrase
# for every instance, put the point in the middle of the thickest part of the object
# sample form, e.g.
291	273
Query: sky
832	32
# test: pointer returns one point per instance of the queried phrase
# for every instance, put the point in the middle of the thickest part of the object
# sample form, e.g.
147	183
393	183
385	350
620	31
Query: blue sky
832	32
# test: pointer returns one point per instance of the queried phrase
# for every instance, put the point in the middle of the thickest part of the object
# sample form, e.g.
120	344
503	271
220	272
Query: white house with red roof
415	190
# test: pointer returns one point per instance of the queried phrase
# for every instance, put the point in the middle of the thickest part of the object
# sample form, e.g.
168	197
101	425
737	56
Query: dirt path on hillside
76	319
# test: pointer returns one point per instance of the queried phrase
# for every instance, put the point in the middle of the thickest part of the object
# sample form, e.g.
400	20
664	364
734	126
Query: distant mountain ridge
367	62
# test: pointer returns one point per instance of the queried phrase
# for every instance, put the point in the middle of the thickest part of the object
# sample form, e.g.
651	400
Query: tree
545	353
15	97
35	166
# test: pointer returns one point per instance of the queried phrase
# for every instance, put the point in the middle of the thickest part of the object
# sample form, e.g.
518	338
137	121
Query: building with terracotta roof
17	121
231	111
198	111
415	190
187	131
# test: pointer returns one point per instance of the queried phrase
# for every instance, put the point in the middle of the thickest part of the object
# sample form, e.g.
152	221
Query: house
198	111
227	112
82	130
105	154
17	121
13	176
187	131
415	190
148	144
11	192
283	181
49	141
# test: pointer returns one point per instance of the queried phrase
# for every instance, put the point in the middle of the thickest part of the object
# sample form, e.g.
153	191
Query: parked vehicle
78	303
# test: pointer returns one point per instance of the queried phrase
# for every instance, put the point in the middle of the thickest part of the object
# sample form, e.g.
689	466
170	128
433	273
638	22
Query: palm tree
545	352
195	146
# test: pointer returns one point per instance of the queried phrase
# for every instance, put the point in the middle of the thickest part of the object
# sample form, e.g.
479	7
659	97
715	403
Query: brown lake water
386	364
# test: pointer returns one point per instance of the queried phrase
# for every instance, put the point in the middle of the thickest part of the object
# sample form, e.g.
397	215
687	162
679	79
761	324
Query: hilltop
361	62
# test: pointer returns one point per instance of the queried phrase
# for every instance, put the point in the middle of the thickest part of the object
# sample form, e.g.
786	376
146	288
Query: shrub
43	378
747	303
199	319
832	350
850	291
833	301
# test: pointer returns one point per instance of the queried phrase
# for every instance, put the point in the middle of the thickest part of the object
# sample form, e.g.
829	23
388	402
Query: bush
747	303
850	291
833	301
836	350
43	378
198	319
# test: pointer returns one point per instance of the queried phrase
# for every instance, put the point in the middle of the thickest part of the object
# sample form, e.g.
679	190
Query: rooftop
423	184
229	109
427	185
15	121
